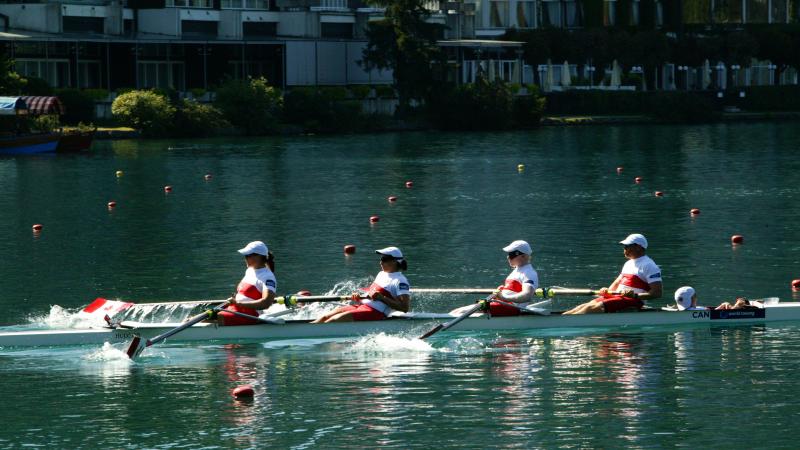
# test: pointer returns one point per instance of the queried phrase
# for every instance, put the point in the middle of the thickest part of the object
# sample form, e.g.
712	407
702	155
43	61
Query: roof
44	105
10	105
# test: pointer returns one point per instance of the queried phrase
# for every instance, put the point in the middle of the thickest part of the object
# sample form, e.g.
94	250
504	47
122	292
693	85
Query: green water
308	196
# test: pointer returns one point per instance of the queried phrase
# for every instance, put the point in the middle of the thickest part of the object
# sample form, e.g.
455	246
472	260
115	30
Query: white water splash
59	317
109	353
386	343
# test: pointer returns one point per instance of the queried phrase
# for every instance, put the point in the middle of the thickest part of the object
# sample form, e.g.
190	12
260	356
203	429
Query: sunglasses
514	254
387	258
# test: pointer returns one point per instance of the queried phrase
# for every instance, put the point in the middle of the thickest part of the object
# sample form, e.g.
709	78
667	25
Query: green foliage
323	110
194	119
78	105
37	86
333	93
405	42
665	106
528	109
770	98
251	105
11	83
482	105
97	95
360	91
682	107
45	123
197	92
147	111
384	91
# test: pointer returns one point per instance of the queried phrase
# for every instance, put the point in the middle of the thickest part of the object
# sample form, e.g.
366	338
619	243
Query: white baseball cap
635	238
683	297
520	246
390	251
256	247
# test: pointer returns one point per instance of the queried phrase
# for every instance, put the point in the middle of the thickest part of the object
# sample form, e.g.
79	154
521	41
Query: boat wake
108	353
59	317
382	343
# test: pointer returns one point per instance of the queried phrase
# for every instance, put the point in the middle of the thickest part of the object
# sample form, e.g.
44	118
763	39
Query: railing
433	5
189	3
245	4
331	5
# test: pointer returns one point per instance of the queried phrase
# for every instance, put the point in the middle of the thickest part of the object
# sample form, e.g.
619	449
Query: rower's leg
346	316
326	317
591	307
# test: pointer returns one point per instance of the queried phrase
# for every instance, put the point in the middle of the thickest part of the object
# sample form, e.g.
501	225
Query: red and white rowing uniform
514	284
637	275
389	284
250	288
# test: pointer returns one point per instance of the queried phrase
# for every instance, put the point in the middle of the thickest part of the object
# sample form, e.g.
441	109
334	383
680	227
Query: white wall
299	24
328	63
230	24
45	18
160	21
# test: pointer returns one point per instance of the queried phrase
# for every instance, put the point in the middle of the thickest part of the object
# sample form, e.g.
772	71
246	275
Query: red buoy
694	211
796	285
392	199
304	293
409	184
737	239
349	249
619	169
243	391
112	204
637	180
167	188
207	177
659	194
37	227
374	219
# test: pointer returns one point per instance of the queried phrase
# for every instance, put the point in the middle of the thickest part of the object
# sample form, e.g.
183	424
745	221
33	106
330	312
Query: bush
97	95
528	109
78	106
385	91
251	105
333	93
147	111
37	86
360	91
770	98
682	107
482	105
193	119
197	92
323	110
46	123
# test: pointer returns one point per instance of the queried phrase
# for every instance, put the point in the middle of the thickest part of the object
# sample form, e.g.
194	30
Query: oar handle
552	292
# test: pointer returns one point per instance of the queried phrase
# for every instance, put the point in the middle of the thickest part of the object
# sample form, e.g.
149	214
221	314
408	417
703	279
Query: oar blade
136	347
432	331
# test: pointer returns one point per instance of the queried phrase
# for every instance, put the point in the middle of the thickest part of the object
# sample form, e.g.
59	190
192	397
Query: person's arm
267	299
655	292
613	286
401	303
517	297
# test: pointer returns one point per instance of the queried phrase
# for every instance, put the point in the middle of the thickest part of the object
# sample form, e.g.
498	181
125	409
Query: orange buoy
409	184
796	285
167	188
350	249
737	239
304	293
392	199
694	211
374	219
37	227
659	194
207	177
112	204
243	391
619	169
637	180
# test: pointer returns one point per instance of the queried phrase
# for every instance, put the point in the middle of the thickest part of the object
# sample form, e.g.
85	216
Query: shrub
482	105
384	91
682	107
46	122
78	106
528	109
97	95
37	86
147	111
197	92
194	119
251	105
323	110
360	91
770	98
333	93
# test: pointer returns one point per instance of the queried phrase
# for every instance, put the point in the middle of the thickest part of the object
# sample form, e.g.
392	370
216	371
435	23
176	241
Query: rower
256	291
390	291
639	280
520	284
686	299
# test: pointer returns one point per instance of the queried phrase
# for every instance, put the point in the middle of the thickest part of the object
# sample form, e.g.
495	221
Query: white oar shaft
452	290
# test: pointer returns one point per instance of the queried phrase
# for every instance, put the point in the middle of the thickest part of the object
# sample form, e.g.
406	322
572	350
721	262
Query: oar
271	319
137	346
552	292
530	309
482	304
452	290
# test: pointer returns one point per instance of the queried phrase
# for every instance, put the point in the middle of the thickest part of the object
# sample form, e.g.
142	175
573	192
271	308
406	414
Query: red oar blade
136	347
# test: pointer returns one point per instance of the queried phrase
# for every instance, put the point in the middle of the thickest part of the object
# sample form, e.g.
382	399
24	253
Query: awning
44	105
11	106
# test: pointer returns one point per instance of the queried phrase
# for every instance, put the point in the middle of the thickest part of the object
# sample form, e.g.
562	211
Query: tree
251	105
147	111
405	42
10	82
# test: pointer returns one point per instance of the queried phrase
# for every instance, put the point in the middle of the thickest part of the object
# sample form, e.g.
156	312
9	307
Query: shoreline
119	133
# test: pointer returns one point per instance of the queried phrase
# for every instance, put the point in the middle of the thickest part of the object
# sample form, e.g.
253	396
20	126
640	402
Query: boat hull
70	142
416	325
29	144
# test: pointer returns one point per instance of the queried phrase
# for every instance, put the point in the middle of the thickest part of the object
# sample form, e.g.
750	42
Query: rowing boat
401	323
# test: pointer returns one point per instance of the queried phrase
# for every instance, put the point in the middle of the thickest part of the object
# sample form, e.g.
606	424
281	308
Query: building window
190	3
572	14
243	69
551	13
89	74
778	12
659	12
498	14
336	30
161	74
54	71
633	20
83	25
199	28
728	11
259	29
757	11
526	14
697	11
609	13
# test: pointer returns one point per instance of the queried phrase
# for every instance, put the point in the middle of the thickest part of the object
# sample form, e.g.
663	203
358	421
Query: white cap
635	238
390	251
520	246
683	297
256	247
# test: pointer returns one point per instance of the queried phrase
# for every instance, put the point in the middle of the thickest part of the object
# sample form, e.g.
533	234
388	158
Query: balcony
245	4
331	5
189	4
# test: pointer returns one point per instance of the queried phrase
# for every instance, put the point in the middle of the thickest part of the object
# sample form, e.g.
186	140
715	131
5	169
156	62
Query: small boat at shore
401	323
18	139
